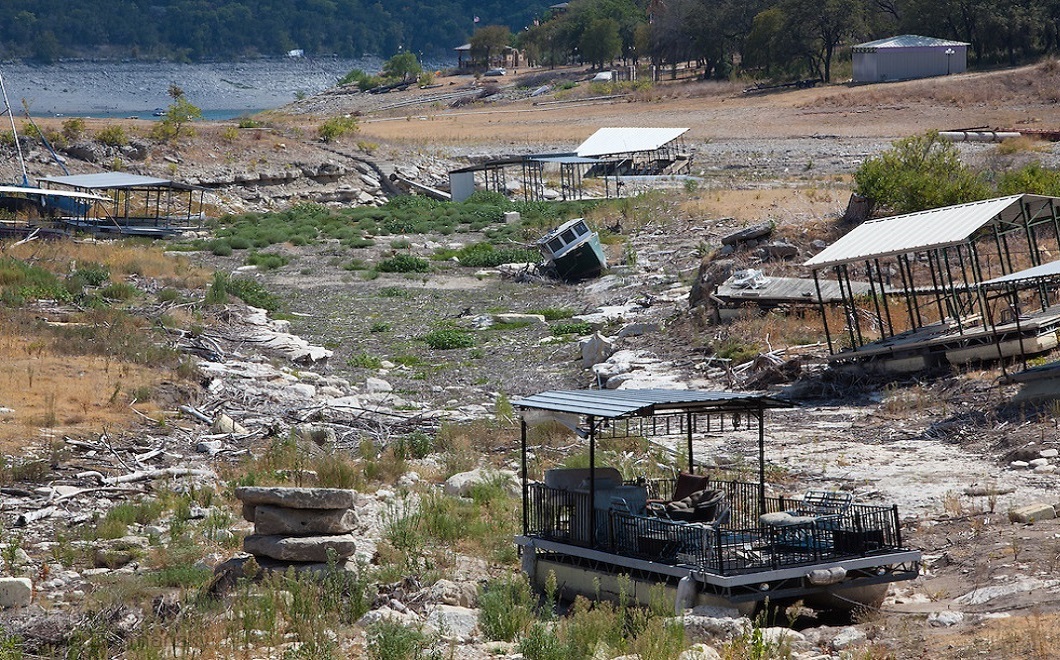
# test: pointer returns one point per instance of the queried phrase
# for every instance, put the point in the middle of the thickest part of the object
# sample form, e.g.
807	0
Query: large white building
908	56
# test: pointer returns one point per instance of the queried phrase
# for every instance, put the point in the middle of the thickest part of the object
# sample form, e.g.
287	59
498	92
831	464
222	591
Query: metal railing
740	545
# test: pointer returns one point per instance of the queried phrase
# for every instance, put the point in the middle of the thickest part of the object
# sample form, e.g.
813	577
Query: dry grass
53	394
76	372
1039	83
122	260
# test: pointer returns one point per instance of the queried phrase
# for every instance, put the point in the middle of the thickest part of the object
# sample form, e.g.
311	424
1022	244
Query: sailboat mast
14	131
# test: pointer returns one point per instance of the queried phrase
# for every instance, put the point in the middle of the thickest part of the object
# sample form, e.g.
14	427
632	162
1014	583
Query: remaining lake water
123	88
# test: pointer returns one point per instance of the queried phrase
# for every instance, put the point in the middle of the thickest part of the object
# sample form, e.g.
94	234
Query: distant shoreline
119	88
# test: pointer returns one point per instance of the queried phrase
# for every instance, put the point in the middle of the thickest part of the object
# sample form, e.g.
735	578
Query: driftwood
29	516
147	475
197	414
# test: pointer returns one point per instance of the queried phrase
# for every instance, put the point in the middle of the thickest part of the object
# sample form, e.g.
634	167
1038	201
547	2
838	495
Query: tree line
771	38
783	38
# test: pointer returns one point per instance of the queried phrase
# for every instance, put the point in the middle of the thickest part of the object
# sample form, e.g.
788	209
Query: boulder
225	424
1032	513
780	250
446	592
454	622
596	349
945	619
847	637
269	520
377	386
298	498
460	485
707	628
699	652
300	548
519	318
15	592
751	233
315	433
406	618
637	329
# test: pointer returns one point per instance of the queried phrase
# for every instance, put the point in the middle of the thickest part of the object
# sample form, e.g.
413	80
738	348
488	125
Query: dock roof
114	181
612	141
613	404
923	230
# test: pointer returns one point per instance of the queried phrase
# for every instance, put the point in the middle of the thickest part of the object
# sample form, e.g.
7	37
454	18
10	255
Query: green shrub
247	122
389	640
573	328
919	172
542	643
404	263
217	294
253	293
484	255
92	273
449	339
118	291
220	247
267	260
364	361
506	608
337	127
113	136
554	313
74	128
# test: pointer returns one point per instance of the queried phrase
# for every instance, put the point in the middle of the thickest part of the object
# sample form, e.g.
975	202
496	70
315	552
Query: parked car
498	71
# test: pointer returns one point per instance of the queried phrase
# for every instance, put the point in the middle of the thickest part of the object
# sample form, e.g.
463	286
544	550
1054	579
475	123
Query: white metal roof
915	232
645	403
47	192
106	180
611	141
908	41
1051	269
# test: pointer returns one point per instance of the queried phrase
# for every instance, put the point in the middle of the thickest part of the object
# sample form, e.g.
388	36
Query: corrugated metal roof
914	232
908	41
45	192
644	403
106	180
1051	269
611	141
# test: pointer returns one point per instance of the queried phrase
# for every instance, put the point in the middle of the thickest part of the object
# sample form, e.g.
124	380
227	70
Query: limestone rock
270	520
847	637
596	349
225	424
300	548
700	652
945	619
298	498
447	592
458	623
15	592
317	434
406	618
460	485
1032	513
519	318
377	386
637	329
708	628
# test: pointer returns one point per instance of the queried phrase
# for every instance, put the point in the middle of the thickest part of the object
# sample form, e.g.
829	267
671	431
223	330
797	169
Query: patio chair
820	507
705	506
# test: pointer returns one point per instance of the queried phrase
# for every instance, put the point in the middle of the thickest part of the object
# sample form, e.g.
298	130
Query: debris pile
304	528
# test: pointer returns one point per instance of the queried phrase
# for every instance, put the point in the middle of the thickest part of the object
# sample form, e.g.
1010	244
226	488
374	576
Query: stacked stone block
298	526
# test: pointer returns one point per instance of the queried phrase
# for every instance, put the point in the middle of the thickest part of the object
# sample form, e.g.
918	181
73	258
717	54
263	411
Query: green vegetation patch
447	339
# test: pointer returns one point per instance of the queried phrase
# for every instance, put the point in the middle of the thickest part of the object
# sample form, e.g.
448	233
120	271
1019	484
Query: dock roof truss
937	264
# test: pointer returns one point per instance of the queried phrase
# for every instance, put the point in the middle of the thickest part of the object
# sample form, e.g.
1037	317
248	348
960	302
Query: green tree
600	43
821	26
180	113
403	67
917	173
489	41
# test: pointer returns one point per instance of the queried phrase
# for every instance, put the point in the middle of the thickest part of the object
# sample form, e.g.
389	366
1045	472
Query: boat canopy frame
939	269
606	414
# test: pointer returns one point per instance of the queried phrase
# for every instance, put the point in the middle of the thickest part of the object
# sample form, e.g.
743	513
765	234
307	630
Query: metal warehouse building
908	56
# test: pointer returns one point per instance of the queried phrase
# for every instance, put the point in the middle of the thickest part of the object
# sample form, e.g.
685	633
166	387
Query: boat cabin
704	536
574	250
